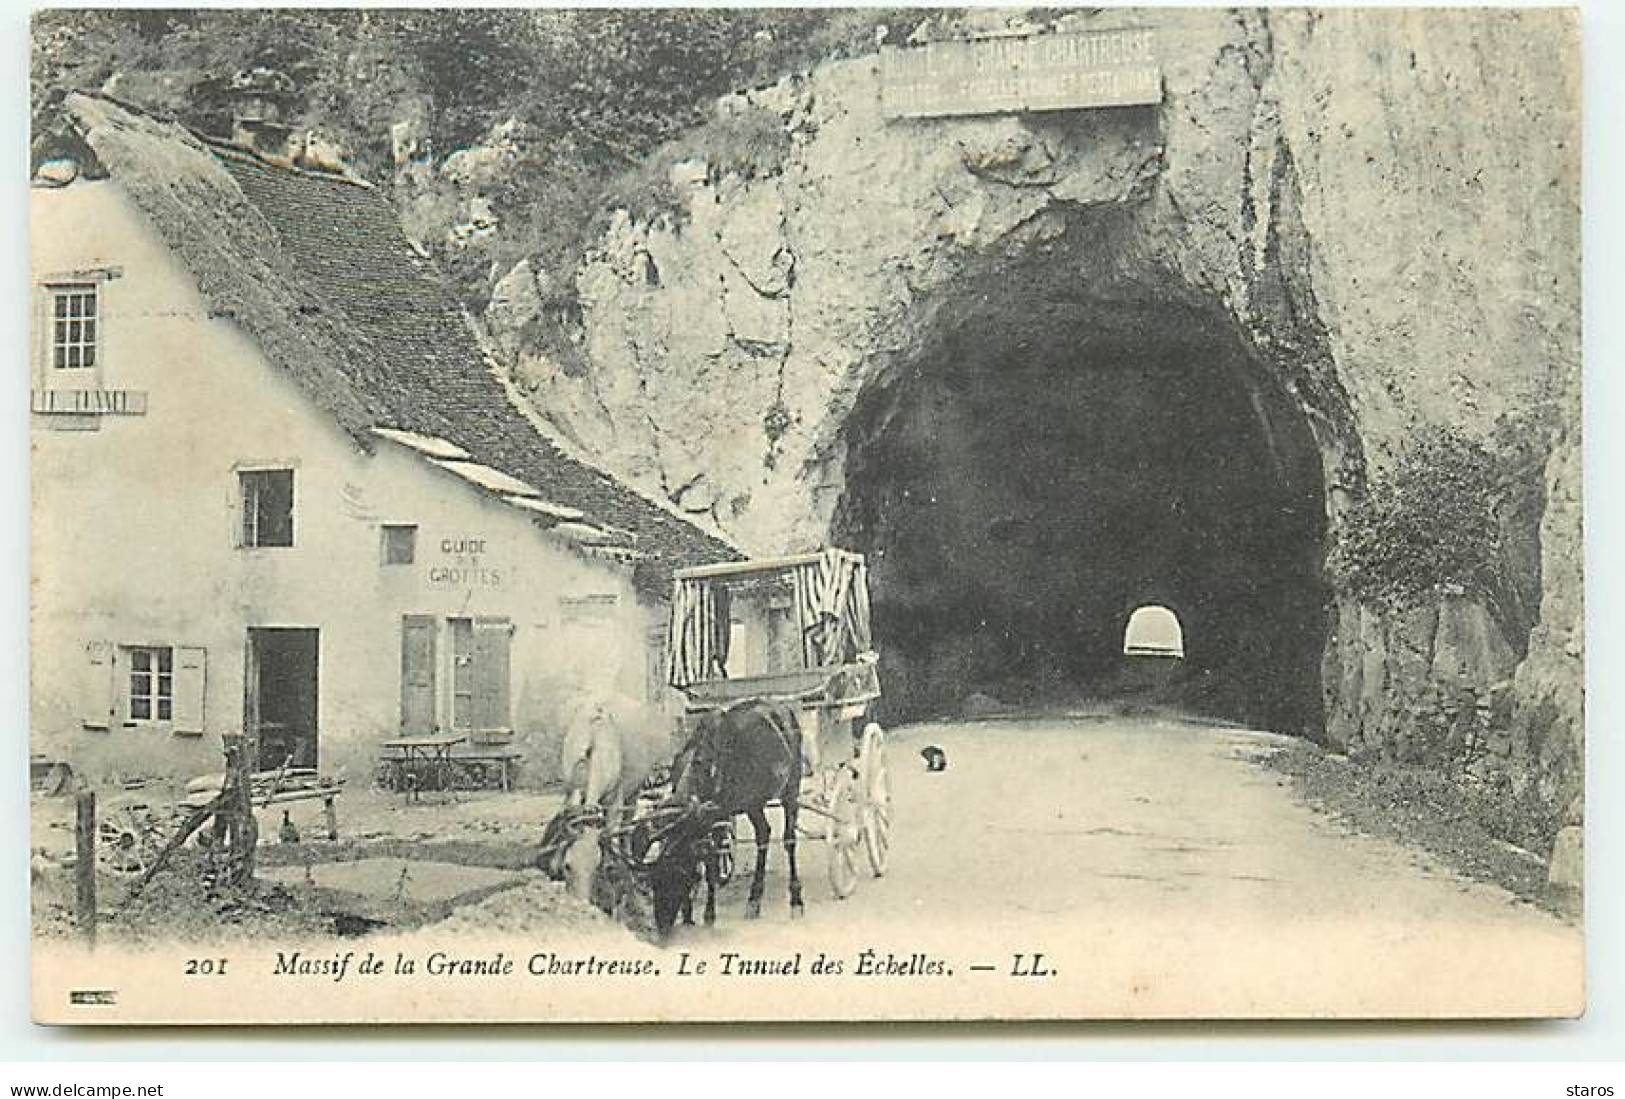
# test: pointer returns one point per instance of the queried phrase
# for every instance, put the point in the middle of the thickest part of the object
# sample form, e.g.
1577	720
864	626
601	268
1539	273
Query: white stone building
277	484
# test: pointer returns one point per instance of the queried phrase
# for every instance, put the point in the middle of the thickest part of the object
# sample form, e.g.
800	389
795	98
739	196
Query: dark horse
736	761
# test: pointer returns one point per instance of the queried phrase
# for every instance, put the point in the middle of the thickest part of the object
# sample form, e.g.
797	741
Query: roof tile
360	318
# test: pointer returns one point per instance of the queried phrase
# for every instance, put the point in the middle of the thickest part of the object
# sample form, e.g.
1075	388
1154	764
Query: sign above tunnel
1051	72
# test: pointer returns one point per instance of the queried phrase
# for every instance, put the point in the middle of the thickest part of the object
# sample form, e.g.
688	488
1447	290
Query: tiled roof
317	269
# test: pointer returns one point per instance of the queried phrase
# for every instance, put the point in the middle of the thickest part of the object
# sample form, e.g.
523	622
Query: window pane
73	328
276	509
462	673
267	507
165	709
400	544
141	659
166	660
141	709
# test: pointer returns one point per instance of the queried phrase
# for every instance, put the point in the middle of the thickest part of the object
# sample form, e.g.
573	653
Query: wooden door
417	676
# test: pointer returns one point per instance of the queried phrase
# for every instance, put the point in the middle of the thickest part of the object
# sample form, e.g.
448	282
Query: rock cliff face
1549	720
1337	228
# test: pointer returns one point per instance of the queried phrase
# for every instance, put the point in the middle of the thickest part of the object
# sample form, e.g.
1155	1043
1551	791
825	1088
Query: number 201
205	967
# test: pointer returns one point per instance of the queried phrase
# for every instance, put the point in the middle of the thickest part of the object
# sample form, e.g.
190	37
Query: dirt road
1167	872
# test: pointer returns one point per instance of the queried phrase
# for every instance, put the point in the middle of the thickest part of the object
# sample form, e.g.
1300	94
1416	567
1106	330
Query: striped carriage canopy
831	602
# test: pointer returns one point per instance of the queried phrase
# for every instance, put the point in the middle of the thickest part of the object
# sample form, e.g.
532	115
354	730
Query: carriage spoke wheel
843	831
130	839
877	800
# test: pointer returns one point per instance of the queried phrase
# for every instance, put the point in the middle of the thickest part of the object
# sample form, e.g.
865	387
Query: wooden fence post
85	867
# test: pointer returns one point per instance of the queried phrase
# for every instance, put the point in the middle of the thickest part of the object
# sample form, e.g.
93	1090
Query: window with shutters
131	686
267	507
152	685
475	655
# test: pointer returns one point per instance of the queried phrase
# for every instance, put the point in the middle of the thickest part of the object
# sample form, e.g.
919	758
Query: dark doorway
282	694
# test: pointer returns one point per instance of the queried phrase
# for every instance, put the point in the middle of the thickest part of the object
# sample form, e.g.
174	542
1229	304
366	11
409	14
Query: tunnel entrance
1047	466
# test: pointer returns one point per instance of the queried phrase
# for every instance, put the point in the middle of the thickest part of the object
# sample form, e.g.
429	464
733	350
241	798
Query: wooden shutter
101	685
492	638
285	510
654	664
189	684
417	675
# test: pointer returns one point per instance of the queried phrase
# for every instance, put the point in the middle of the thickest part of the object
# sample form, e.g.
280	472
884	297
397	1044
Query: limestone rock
487	163
1304	181
1566	870
405	140
516	300
884	219
1549	711
319	150
478	223
56	173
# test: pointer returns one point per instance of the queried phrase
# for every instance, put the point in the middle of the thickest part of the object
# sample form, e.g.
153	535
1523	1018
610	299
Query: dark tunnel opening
1038	475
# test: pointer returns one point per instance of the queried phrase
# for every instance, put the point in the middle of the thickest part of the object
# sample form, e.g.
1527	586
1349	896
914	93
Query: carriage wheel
877	800
843	831
130	839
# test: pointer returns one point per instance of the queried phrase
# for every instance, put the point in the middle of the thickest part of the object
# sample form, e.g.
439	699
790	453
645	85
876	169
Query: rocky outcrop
1310	187
1305	171
1549	718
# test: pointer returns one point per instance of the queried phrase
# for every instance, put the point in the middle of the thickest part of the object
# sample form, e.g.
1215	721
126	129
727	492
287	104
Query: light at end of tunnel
1154	631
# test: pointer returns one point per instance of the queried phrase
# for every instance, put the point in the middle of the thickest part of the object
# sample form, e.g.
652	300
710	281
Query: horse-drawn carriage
796	630
776	661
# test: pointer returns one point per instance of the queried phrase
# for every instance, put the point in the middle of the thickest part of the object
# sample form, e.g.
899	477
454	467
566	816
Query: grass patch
1422	808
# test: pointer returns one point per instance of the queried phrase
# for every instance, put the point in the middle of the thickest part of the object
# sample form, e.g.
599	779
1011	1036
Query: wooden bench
329	796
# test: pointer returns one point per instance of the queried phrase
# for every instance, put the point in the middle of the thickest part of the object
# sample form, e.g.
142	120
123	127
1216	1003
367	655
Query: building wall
136	528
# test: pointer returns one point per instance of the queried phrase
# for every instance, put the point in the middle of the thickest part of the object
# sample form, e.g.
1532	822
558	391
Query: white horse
611	748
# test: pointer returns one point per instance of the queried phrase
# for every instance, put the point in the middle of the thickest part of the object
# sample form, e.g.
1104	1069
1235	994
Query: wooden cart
796	629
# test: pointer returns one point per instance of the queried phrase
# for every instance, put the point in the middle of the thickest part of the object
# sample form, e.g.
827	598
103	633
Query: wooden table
507	763
423	758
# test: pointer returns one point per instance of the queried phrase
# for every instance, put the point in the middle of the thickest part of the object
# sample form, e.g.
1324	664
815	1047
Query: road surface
1164	871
